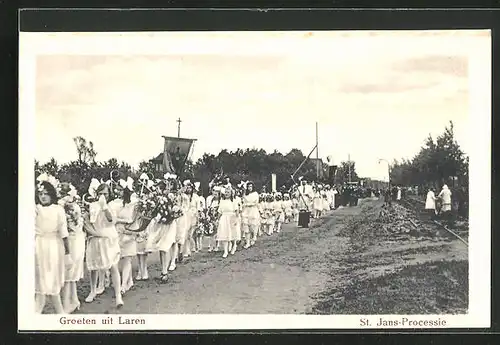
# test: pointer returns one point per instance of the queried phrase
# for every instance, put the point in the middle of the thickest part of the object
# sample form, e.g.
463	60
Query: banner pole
304	161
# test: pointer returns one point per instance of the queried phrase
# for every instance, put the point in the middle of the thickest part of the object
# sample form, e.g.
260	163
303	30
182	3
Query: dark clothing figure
388	197
394	193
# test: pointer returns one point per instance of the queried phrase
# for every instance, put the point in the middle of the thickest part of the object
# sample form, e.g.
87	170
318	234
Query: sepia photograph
254	174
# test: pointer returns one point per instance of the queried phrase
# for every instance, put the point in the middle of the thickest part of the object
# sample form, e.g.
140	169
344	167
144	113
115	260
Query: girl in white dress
167	244
236	221
182	226
149	239
212	205
263	214
288	206
250	217
317	203
226	232
115	205
326	204
52	251
278	212
430	202
269	212
103	246
191	217
202	217
127	226
76	241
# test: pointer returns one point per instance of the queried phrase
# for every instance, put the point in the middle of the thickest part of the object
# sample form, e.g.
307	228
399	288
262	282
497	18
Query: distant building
158	162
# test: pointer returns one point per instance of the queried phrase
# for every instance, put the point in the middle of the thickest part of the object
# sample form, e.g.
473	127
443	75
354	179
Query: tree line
440	161
256	165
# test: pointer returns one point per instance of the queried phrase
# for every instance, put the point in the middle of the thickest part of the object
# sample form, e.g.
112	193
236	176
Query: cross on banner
179	127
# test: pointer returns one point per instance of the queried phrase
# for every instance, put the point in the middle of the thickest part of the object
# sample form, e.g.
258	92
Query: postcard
254	180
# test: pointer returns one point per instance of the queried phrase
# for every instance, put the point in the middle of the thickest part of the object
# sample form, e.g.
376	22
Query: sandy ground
326	269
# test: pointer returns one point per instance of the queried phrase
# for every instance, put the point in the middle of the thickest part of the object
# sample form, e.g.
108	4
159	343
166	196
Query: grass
433	288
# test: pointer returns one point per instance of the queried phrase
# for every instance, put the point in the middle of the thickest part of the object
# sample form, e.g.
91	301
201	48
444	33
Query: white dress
250	216
445	196
326	204
278	209
237	216
103	251
318	202
128	243
226	231
183	223
76	240
50	229
193	206
287	205
430	201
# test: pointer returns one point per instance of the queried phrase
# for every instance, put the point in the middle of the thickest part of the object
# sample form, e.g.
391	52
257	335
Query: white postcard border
33	44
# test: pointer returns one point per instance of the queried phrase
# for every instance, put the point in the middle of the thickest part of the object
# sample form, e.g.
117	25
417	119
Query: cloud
388	86
451	65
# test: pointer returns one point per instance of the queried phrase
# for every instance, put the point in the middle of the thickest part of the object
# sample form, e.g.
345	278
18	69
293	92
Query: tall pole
317	154
349	166
179	127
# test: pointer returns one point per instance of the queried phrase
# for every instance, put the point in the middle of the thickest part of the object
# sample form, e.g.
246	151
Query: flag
175	154
273	183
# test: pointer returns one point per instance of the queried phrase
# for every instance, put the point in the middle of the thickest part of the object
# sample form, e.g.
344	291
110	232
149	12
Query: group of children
110	225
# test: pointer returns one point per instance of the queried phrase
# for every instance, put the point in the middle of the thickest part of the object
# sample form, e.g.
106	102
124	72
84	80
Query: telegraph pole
317	154
179	127
349	166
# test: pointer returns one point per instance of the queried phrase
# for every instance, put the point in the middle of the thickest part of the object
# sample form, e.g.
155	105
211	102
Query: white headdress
144	176
48	178
122	183
169	176
186	182
94	184
130	183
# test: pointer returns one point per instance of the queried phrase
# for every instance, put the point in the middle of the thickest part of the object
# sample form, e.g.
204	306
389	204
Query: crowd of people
118	220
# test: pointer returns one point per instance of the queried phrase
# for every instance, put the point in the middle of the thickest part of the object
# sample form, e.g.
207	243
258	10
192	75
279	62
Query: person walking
430	203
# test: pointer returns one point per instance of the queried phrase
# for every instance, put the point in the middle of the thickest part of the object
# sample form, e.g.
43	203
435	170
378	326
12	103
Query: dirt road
280	275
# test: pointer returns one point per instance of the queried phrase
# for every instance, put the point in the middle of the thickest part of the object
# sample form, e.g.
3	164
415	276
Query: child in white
430	201
226	232
103	247
51	248
250	215
278	212
76	241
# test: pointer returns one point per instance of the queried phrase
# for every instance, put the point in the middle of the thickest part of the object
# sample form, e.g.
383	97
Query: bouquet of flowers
167	210
148	206
210	221
72	216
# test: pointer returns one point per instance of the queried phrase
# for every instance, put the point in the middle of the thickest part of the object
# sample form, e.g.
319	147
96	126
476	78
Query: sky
374	94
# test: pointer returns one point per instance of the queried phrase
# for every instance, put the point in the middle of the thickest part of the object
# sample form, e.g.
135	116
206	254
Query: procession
121	219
